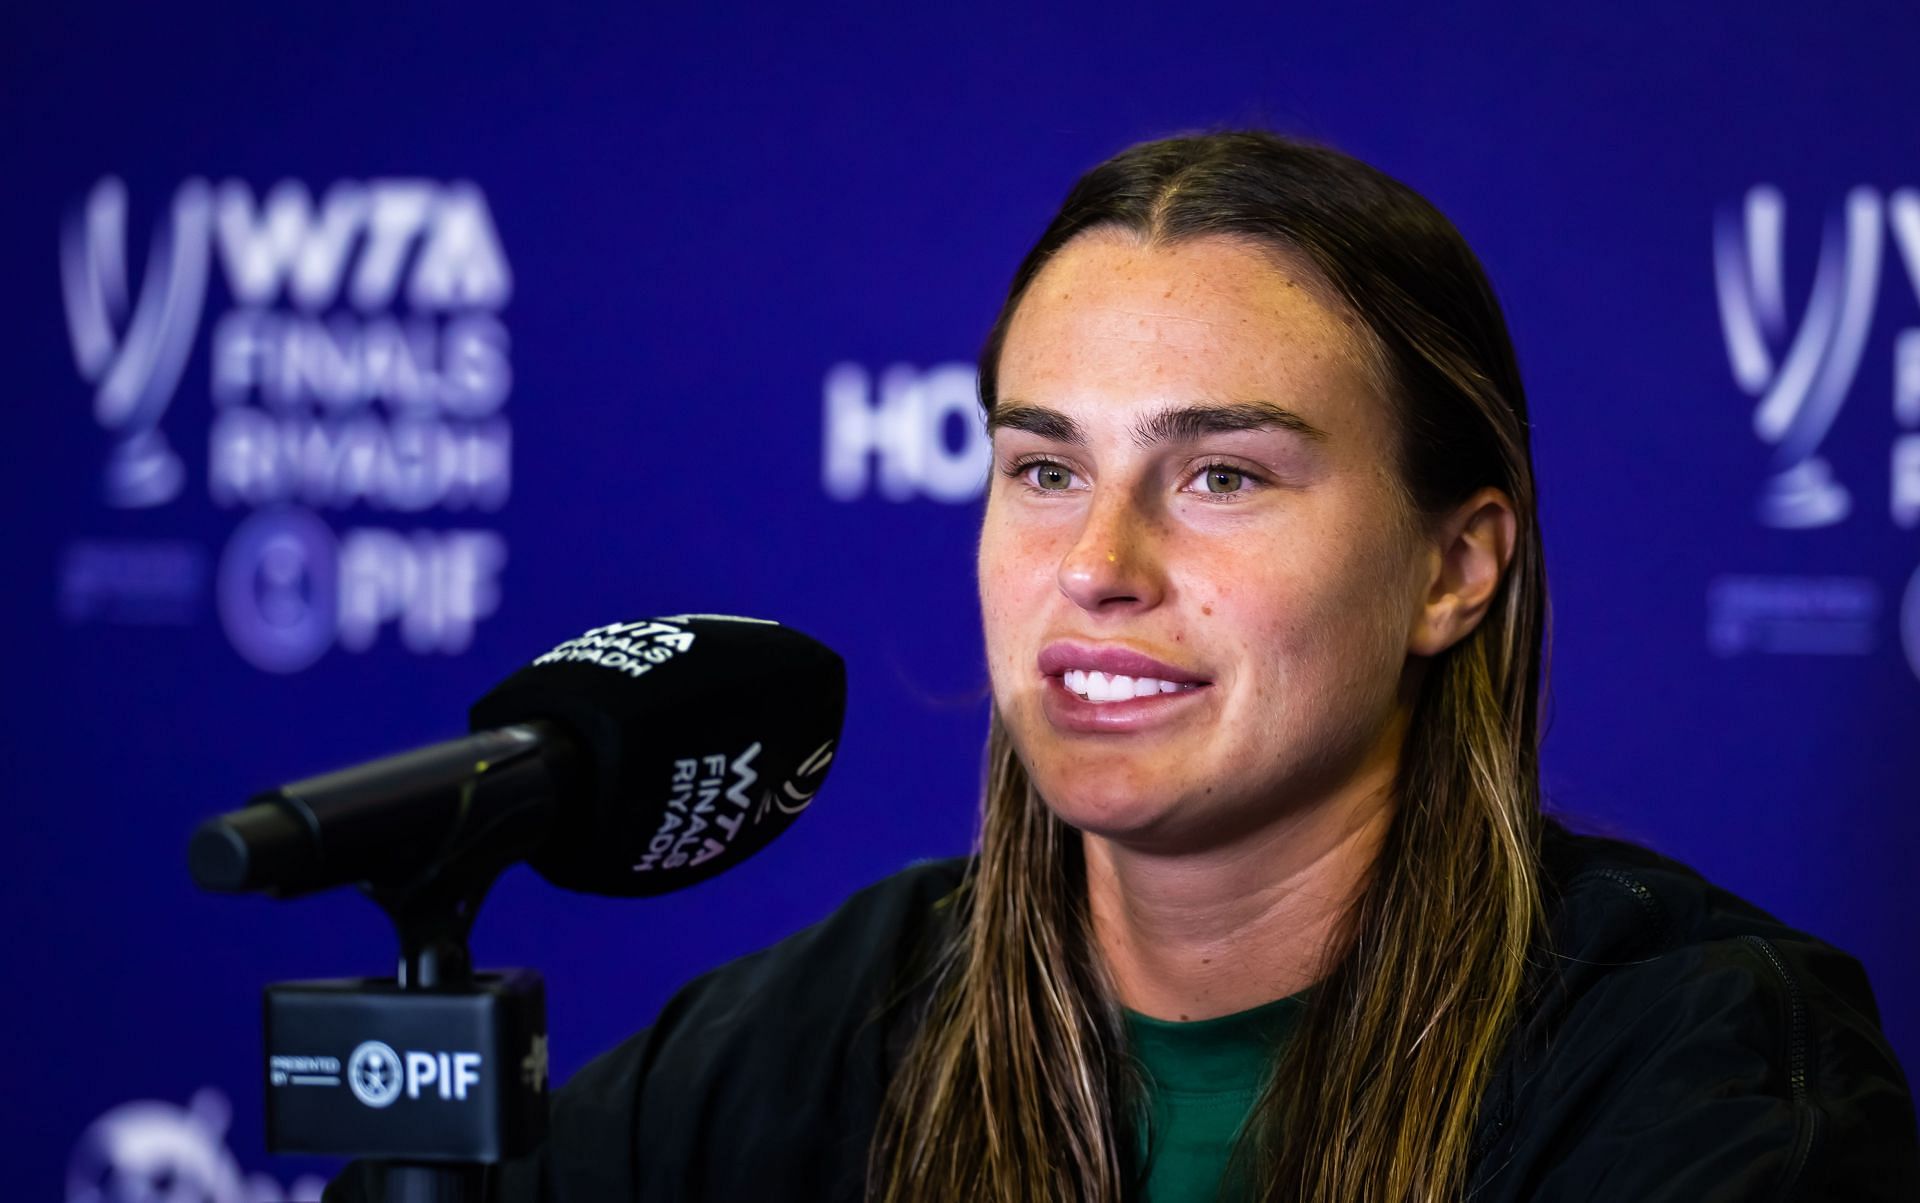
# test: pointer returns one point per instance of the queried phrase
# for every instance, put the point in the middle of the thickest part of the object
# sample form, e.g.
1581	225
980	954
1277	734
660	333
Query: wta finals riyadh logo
358	369
133	353
1801	380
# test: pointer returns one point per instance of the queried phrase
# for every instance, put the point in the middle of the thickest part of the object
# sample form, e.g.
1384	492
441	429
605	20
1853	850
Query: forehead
1111	323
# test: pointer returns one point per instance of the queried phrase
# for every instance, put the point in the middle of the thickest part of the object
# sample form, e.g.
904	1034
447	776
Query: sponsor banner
358	369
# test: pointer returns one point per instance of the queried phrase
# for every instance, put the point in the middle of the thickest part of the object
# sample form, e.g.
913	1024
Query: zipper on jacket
1797	1058
1649	905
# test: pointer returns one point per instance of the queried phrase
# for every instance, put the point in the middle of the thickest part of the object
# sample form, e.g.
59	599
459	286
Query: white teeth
1102	687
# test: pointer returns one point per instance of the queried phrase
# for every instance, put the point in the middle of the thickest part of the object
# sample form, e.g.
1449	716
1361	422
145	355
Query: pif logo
373	1073
378	1075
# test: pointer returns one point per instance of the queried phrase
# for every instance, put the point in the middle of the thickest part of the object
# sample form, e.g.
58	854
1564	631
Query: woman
1209	459
1265	906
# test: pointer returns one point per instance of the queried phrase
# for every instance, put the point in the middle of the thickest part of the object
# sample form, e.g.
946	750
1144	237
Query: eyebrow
1180	423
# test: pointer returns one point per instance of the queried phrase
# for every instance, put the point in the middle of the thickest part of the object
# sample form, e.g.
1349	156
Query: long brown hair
1017	1085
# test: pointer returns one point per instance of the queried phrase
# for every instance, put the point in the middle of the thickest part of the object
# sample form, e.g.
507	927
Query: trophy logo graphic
1910	622
1799	377
132	350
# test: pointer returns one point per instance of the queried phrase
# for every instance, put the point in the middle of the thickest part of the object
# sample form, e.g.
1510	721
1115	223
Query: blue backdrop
355	356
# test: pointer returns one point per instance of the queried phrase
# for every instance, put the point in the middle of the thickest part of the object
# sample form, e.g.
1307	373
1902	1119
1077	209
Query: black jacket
1686	1046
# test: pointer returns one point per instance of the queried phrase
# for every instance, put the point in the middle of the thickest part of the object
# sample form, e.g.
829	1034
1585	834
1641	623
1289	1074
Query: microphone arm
376	822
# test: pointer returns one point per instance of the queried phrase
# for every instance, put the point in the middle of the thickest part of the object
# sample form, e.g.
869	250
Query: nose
1114	565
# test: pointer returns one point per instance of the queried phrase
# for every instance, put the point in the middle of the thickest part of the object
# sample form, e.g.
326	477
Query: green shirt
1202	1079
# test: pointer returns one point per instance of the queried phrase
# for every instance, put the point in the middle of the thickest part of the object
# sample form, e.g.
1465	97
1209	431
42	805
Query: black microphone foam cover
701	738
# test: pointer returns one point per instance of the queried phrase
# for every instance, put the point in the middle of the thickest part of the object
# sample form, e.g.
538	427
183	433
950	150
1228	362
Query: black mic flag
704	736
638	758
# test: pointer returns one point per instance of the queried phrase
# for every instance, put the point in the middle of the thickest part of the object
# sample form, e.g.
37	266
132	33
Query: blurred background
357	354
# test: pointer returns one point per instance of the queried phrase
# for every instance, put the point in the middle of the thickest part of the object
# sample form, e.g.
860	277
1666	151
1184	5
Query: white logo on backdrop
1910	622
1800	374
1800	371
920	433
374	1073
362	364
134	351
149	1150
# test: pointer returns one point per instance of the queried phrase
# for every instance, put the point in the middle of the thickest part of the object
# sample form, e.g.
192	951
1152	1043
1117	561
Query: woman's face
1194	507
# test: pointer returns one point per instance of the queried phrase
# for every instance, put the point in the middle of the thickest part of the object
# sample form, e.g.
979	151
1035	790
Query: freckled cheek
1012	589
1018	564
1288	645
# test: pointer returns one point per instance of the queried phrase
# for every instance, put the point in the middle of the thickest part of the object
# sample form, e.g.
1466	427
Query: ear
1469	555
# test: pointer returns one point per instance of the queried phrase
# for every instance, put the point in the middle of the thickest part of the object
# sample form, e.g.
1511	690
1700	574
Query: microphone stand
433	917
428	1150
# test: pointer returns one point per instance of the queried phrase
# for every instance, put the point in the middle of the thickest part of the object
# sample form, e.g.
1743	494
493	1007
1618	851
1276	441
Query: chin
1111	805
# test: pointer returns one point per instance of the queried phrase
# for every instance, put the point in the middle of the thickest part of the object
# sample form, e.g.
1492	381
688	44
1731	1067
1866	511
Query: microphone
636	759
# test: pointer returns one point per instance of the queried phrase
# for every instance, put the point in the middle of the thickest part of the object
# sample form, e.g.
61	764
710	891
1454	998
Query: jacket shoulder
782	1051
1686	1044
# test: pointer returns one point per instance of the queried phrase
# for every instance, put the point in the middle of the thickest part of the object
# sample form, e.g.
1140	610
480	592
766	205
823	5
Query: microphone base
364	1067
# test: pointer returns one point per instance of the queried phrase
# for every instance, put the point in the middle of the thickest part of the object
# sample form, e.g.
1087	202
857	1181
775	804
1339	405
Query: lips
1057	659
1099	689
